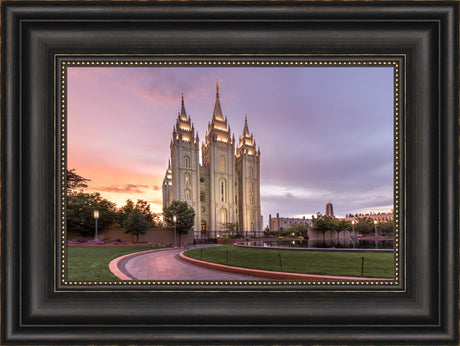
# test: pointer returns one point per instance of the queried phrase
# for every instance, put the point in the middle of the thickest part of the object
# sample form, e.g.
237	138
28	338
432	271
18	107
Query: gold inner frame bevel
63	62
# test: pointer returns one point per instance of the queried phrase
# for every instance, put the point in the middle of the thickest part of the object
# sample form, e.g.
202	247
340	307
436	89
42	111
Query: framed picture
52	57
224	184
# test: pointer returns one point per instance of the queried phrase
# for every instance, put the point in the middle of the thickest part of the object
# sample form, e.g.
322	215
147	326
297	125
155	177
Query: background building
379	217
225	188
275	224
330	210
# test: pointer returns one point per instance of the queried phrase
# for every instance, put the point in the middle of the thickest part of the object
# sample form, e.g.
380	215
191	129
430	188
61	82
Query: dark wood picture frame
423	309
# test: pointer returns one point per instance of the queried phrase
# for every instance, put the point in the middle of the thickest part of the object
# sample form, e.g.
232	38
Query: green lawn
377	265
92	262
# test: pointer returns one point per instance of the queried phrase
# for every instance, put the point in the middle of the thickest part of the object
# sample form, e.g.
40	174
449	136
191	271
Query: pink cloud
126	188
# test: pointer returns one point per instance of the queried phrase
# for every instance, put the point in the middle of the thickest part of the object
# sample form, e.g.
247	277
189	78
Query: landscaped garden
366	264
92	262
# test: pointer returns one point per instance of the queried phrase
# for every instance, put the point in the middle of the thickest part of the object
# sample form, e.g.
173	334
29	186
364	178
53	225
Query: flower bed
115	243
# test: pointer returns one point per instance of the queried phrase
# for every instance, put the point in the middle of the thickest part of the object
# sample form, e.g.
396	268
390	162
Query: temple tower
218	158
248	169
182	178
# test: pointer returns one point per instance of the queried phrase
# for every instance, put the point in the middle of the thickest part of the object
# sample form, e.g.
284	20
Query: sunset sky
325	134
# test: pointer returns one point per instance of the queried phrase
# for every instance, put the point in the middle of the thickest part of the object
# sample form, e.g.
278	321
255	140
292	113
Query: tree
324	223
184	213
124	211
142	206
80	212
266	231
75	181
299	229
230	228
343	225
364	225
386	227
136	223
128	207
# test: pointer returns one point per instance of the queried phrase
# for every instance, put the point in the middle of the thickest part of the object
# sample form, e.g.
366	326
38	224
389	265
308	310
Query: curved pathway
166	265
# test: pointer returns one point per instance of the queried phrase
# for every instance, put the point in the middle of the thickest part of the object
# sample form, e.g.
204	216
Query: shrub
248	238
225	240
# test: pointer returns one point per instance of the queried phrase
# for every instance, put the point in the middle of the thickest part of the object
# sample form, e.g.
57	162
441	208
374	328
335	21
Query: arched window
251	172
223	216
253	228
187	178
222	163
187	194
222	190
251	186
187	161
251	199
251	215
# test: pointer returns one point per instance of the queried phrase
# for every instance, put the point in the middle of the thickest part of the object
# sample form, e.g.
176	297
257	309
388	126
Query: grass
92	262
376	265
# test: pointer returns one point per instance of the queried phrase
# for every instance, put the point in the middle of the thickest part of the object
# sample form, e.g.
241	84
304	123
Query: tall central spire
217	114
218	129
183	114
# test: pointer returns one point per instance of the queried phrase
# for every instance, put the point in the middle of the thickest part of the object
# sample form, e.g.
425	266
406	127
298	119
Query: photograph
231	173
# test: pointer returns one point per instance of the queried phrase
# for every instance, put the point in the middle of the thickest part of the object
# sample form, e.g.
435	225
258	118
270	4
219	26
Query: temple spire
218	129
247	144
217	114
246	128
183	114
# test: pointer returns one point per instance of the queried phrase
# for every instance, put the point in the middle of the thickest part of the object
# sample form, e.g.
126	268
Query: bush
226	240
248	238
281	238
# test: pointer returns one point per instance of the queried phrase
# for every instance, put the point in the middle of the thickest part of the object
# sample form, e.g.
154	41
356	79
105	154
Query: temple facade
224	188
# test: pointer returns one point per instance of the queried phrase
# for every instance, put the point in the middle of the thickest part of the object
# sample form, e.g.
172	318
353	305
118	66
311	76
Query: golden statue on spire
217	87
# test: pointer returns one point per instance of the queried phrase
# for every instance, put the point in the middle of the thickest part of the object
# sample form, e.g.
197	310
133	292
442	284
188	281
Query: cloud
126	188
156	201
156	188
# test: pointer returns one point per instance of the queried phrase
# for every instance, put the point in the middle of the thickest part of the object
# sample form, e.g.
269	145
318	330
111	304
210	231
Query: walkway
166	265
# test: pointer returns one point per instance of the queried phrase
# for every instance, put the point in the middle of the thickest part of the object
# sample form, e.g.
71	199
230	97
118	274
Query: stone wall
317	235
153	235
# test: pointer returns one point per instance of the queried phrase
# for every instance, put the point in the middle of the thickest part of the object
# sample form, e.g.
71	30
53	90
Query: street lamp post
96	216
353	225
175	220
375	227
